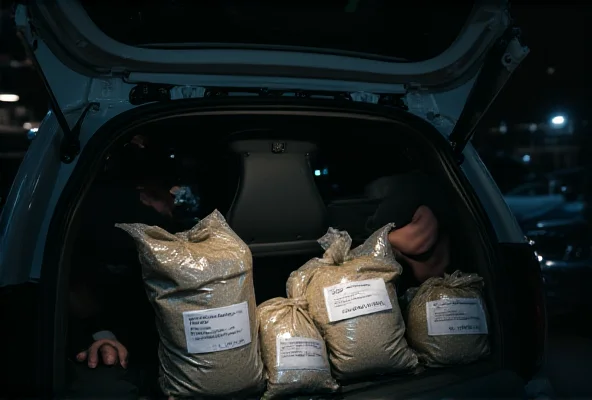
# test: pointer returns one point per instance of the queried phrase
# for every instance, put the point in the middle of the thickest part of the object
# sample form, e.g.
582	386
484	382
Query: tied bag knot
336	245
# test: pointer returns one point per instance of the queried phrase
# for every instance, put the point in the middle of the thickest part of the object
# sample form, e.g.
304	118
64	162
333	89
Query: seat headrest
277	203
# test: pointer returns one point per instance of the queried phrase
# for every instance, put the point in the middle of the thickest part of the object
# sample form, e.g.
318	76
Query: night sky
555	77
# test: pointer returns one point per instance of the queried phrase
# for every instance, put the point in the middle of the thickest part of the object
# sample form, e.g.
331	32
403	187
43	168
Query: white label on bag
456	317
217	329
352	299
300	353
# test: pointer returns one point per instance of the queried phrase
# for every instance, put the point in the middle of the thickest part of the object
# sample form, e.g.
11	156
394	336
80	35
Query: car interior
280	184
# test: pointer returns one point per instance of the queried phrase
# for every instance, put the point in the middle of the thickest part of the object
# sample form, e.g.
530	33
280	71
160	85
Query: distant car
551	214
564	248
533	200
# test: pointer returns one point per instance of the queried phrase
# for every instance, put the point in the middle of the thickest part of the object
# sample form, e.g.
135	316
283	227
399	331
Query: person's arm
90	342
91	328
104	335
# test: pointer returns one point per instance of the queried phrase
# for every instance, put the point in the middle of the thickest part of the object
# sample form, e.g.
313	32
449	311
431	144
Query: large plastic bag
293	350
447	320
201	287
353	301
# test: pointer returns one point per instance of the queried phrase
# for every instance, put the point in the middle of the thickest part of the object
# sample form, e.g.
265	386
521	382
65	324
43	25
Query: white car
544	200
533	199
196	70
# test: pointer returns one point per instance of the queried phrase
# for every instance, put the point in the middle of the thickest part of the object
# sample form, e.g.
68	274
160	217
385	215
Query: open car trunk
198	150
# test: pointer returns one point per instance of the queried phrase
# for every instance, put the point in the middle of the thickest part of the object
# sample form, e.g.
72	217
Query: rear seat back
277	208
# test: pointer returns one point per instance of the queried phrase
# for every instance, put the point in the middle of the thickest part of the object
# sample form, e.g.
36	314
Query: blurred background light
9	98
558	120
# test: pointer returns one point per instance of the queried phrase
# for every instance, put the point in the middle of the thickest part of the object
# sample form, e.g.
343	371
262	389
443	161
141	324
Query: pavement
569	357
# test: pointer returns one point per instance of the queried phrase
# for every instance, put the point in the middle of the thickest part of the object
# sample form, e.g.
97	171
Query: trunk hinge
500	63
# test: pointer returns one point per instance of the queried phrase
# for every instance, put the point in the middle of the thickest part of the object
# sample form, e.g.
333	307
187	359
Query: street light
9	97
558	120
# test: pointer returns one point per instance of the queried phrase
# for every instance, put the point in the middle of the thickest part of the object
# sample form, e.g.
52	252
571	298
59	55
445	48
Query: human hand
422	246
111	352
158	198
417	237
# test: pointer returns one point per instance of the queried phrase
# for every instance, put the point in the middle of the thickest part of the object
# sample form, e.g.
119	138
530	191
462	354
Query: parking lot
569	354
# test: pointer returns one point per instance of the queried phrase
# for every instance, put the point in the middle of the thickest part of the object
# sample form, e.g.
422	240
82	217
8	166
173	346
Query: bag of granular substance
293	350
201	287
352	299
447	320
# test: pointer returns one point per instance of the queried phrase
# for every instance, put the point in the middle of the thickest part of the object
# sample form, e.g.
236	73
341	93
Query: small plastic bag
352	299
200	285
293	350
447	321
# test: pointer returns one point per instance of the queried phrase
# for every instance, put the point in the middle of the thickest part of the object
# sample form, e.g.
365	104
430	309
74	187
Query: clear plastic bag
200	285
293	350
447	321
352	299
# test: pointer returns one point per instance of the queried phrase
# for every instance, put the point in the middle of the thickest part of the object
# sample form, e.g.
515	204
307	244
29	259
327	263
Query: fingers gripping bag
200	285
352	299
293	350
447	320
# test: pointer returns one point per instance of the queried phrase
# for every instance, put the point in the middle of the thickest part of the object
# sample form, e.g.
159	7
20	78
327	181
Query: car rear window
410	31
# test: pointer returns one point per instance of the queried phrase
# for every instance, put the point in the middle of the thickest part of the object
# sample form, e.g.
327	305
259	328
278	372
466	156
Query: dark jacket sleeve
88	311
106	262
81	331
92	286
